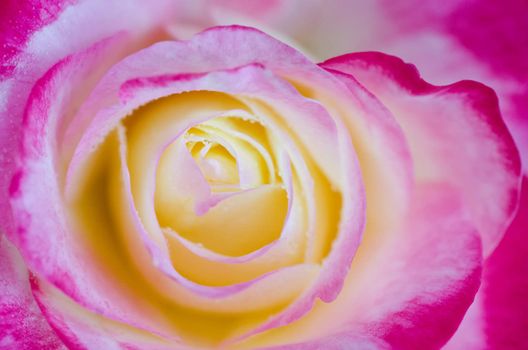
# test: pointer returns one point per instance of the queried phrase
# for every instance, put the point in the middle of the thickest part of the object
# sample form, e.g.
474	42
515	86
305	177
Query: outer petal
80	329
36	241
339	341
410	289
424	307
486	41
36	35
22	325
455	132
18	21
498	318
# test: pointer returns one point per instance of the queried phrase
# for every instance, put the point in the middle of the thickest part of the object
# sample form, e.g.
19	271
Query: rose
337	94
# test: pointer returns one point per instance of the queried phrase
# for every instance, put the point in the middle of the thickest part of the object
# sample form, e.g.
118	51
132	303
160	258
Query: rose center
218	166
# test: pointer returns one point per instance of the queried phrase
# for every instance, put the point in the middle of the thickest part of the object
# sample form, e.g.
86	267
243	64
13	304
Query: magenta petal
455	132
486	42
414	291
18	21
22	325
499	317
427	274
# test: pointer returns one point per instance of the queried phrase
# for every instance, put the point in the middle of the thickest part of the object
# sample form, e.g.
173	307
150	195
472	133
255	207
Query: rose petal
410	289
22	325
499	316
249	84
98	299
157	267
380	145
20	20
330	282
41	229
189	54
337	341
464	30
417	31
40	35
466	142
80	329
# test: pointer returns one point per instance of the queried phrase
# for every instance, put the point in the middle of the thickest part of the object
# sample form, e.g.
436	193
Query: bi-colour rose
227	191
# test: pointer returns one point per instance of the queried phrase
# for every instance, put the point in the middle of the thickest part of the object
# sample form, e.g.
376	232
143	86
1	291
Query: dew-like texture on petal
498	317
18	21
22	325
455	132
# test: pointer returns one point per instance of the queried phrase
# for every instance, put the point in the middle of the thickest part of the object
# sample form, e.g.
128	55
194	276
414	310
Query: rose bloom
184	174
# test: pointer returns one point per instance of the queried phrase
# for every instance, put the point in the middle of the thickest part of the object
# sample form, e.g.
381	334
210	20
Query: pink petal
22	325
382	149
409	289
252	8
464	142
18	21
36	35
282	60
35	193
498	318
486	42
428	275
80	329
338	341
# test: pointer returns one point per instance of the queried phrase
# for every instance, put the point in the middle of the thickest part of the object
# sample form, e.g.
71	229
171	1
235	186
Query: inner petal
228	207
236	226
216	159
218	166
